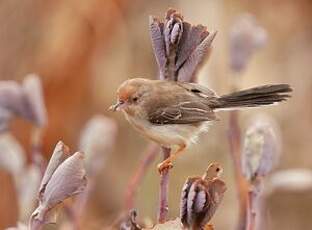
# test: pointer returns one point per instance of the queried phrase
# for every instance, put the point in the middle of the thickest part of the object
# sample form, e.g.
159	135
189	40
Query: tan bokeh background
84	49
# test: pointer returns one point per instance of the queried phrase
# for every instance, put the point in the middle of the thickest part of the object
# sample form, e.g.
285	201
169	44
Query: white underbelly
168	135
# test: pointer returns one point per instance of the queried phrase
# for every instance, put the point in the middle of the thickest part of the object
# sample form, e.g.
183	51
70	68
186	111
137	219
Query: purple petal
60	153
158	42
68	179
196	58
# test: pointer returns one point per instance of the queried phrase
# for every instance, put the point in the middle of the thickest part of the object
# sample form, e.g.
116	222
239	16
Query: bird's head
130	94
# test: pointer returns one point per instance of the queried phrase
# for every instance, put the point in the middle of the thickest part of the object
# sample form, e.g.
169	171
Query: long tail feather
254	97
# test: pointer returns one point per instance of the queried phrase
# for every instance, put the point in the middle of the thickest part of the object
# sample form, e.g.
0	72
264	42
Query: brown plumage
174	113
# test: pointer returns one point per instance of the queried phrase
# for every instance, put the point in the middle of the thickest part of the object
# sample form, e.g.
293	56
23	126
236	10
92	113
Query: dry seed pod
179	47
246	36
60	153
24	100
261	148
200	197
63	178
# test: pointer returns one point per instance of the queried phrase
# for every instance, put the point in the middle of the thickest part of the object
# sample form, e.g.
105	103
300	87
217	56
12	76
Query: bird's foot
164	166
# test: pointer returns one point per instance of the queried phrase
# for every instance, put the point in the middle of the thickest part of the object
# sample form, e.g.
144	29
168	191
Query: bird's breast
166	135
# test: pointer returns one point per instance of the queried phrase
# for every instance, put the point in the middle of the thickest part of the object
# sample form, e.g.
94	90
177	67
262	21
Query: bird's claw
164	166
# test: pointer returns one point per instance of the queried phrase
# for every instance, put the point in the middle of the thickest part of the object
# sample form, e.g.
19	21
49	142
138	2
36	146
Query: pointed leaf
67	180
191	38
60	153
196	58
158	42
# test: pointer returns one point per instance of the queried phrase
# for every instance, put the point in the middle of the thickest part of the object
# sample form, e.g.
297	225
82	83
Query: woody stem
234	137
251	211
164	190
148	157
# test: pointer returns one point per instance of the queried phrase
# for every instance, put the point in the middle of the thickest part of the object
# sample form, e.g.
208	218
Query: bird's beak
116	106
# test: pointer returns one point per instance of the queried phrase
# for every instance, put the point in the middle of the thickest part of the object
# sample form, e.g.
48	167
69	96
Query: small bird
174	113
201	197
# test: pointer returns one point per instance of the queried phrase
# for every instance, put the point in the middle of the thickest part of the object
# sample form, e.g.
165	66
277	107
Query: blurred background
84	49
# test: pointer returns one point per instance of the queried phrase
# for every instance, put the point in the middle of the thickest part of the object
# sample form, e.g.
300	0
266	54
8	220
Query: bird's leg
167	164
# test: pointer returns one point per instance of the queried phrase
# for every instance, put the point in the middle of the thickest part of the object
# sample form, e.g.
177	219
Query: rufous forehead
125	91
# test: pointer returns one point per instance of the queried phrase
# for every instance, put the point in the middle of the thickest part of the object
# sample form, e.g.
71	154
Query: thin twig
149	156
234	136
251	211
254	209
164	190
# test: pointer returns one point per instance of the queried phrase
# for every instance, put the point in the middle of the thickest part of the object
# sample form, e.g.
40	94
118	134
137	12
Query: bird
200	197
173	113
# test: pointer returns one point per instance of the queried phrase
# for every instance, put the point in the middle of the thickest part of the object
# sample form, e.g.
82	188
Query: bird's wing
182	103
198	90
183	112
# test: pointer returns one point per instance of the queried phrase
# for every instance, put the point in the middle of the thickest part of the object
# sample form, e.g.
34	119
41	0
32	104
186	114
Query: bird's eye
135	99
218	169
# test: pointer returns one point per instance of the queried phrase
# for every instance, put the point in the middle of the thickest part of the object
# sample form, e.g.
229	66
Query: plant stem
251	211
234	137
164	190
254	208
149	156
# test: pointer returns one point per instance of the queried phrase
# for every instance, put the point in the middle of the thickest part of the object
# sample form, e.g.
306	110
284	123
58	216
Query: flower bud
261	148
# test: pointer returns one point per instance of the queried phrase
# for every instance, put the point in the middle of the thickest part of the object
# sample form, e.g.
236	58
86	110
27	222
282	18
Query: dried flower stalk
149	156
96	149
260	154
24	100
246	37
180	48
164	190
